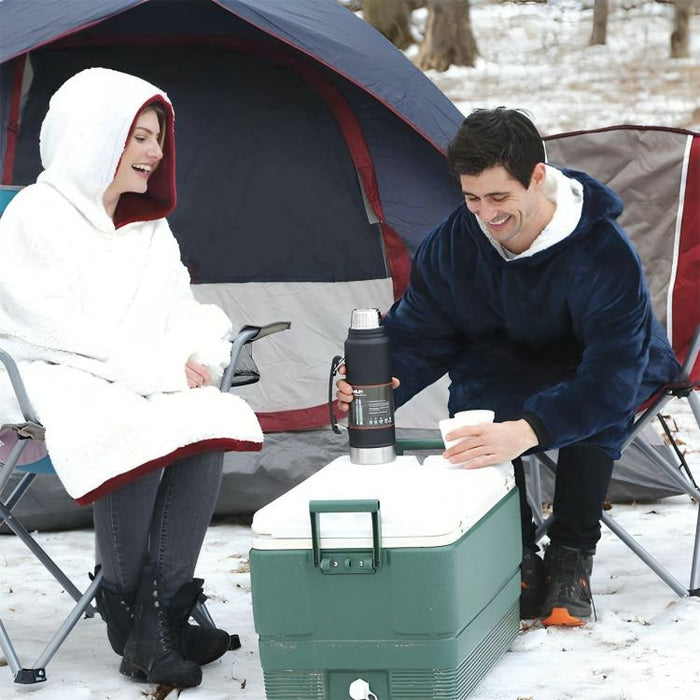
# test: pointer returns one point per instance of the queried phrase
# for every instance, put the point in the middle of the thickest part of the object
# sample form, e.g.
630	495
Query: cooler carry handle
370	505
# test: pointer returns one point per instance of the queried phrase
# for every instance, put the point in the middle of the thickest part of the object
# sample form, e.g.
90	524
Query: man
532	298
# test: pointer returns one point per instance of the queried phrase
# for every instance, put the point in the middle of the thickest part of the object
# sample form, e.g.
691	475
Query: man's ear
539	175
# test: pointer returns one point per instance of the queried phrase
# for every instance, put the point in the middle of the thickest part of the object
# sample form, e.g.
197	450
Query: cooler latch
350	561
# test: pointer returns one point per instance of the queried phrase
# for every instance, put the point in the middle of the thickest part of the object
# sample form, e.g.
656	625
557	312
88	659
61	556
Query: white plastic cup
476	417
462	418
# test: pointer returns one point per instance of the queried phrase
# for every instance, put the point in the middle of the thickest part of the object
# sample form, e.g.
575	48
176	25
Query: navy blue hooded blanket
565	337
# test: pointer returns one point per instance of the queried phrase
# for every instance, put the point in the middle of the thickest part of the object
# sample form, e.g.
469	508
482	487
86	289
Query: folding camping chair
682	387
241	370
679	473
667	239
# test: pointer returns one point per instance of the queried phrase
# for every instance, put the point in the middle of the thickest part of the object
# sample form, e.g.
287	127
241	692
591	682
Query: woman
96	307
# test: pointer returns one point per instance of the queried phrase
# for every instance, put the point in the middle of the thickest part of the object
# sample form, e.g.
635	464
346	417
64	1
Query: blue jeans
159	519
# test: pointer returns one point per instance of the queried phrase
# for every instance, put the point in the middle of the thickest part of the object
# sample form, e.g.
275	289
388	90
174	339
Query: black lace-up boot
117	611
153	651
200	644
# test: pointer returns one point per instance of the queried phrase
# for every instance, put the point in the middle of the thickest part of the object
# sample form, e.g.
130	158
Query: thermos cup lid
364	318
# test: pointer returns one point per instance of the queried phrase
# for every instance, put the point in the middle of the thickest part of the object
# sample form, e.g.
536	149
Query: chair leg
535	483
642	553
19	491
685	484
695	566
543	524
694	401
37	672
42	556
13	660
8	468
64	630
201	615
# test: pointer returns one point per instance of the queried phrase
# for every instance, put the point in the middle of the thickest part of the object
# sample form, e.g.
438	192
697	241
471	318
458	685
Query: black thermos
368	370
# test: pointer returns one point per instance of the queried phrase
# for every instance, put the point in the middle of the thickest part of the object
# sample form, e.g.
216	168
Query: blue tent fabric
376	79
27	24
351	47
320	28
272	190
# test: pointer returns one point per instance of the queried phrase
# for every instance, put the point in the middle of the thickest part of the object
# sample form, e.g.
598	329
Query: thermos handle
335	364
370	505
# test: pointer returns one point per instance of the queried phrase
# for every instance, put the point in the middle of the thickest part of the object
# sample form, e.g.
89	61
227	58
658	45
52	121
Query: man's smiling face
511	213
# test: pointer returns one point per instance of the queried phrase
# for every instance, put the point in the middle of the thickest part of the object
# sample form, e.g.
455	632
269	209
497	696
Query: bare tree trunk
448	36
391	18
680	37
600	22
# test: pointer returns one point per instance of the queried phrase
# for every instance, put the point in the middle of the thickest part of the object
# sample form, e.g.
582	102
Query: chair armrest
247	334
18	387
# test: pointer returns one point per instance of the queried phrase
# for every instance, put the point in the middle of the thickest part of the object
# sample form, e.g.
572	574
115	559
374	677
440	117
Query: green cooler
390	581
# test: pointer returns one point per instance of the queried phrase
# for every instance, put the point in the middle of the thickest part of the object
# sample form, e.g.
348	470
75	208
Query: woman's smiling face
140	158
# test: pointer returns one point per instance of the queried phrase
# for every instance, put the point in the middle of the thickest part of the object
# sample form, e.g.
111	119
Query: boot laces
166	633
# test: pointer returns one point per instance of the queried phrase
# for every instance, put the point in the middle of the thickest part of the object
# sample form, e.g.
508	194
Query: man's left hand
488	444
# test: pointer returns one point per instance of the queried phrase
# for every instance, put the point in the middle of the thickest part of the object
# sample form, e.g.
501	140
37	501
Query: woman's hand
197	375
344	394
488	444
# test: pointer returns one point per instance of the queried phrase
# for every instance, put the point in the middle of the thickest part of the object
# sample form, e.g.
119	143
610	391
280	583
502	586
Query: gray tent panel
649	182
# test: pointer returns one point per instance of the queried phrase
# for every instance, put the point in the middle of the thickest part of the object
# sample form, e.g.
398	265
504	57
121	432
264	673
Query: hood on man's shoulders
82	139
599	201
599	204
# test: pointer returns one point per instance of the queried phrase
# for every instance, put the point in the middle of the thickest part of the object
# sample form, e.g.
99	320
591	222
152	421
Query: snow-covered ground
644	644
536	56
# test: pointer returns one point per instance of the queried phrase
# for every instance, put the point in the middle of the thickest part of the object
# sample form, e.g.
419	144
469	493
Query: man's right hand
344	394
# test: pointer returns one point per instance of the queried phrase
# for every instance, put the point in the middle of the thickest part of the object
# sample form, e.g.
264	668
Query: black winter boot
531	585
117	611
567	576
153	650
200	644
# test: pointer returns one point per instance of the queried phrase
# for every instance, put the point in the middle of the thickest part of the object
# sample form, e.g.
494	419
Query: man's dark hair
491	137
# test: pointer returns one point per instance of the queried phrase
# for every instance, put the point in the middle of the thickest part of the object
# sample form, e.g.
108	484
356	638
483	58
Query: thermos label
372	406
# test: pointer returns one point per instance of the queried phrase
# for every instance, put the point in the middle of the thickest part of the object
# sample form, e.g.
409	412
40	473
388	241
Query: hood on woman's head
84	134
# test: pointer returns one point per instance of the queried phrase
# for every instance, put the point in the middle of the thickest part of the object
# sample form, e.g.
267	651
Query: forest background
574	64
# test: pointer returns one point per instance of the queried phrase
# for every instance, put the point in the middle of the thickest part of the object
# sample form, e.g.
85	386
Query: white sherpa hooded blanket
98	312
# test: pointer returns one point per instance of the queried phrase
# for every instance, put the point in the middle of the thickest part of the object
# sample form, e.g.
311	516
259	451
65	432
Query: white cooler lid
421	505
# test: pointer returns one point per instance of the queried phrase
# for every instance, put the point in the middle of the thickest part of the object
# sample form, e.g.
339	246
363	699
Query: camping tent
310	165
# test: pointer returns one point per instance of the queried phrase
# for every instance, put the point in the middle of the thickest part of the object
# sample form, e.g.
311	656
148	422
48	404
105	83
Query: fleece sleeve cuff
543	437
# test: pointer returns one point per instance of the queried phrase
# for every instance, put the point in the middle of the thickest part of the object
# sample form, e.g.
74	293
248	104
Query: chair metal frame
32	429
681	387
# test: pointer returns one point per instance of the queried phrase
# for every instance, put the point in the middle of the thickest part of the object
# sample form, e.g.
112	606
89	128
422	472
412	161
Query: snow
644	643
641	647
536	56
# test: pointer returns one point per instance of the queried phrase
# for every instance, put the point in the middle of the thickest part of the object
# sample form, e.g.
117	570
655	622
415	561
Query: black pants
583	477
